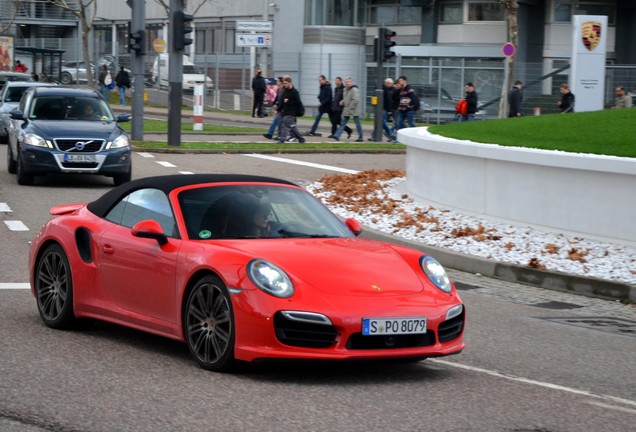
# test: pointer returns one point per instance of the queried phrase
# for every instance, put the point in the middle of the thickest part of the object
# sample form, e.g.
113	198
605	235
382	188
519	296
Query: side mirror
122	118
16	115
354	226
149	229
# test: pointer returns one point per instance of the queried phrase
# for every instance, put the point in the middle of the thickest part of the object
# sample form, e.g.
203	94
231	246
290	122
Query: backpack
462	107
300	110
416	102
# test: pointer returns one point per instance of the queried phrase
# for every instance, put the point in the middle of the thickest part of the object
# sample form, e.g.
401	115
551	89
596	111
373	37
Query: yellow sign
159	45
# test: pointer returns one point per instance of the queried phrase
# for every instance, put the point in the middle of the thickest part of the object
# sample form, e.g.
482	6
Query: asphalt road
535	360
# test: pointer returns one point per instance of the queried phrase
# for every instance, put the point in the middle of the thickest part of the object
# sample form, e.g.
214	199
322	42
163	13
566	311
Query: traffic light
182	28
136	41
386	43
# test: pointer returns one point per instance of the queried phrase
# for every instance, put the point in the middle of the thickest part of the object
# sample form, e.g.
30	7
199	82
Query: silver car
73	72
10	99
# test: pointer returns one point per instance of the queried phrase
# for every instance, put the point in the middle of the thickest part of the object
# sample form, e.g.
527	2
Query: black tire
66	78
54	288
23	178
12	166
122	178
208	325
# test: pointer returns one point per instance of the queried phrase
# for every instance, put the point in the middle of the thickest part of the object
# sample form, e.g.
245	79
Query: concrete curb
555	281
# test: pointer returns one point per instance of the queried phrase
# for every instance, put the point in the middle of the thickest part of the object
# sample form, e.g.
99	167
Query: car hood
341	266
8	106
74	129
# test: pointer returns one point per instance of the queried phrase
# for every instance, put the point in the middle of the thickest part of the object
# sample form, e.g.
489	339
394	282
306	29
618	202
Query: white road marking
537	383
146	155
4	208
186	172
166	164
12	286
613	407
308	164
16	225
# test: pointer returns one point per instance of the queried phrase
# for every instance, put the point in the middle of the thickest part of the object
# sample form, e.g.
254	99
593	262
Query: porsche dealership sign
587	79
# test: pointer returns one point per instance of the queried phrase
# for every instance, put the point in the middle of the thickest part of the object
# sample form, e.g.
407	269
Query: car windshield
256	211
14	94
83	108
190	69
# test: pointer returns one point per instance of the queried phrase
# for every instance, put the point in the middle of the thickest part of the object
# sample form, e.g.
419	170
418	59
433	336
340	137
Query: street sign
509	50
253	40
254	26
159	45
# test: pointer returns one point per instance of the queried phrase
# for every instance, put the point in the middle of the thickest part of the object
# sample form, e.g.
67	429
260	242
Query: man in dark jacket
566	104
325	100
471	98
408	104
122	79
515	100
259	87
336	109
290	108
388	108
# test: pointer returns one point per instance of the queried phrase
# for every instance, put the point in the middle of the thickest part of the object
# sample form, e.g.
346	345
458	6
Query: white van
192	75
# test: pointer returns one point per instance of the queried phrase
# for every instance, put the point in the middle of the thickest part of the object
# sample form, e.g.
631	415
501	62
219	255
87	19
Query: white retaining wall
586	195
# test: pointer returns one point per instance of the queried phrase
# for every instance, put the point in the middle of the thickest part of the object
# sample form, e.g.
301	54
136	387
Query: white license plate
79	158
393	326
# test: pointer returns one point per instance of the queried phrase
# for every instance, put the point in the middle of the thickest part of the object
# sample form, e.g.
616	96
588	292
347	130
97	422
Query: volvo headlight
121	141
270	278
436	273
36	140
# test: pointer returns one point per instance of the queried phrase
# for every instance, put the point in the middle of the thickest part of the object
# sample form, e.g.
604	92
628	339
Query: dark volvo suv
67	130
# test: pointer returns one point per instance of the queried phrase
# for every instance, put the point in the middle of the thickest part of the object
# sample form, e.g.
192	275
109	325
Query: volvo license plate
393	326
79	158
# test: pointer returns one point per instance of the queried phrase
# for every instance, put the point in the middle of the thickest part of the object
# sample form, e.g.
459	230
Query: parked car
192	74
9	99
437	105
52	131
75	72
13	76
241	268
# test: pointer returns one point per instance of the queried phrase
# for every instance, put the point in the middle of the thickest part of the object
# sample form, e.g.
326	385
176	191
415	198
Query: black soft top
103	204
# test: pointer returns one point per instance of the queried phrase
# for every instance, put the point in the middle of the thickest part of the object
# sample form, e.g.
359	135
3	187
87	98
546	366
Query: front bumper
40	161
268	335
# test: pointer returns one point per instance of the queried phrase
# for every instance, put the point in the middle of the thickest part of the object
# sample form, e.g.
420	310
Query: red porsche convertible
241	268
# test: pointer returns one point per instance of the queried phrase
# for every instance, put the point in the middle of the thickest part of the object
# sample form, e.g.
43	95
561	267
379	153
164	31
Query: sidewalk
555	281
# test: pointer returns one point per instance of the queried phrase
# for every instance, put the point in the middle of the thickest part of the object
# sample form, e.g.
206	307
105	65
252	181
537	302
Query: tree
85	11
166	5
6	26
512	10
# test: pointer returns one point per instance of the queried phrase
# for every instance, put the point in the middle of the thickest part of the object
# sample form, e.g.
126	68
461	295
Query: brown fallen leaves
364	193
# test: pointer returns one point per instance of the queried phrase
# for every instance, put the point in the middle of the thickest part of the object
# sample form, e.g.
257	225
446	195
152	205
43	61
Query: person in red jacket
19	67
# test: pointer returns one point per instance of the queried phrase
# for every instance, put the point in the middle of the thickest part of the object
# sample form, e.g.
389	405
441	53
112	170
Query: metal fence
232	76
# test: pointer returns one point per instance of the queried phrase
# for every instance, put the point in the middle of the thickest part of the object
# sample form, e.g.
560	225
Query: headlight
120	141
436	273
270	278
35	140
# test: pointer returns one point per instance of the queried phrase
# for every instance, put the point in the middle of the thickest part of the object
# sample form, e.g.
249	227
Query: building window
334	12
394	12
598	7
486	11
452	12
562	11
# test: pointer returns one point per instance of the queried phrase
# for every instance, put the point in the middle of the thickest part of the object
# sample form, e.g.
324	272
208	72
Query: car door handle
108	249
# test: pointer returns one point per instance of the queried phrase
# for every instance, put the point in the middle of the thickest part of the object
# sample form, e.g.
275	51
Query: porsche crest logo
591	34
376	287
